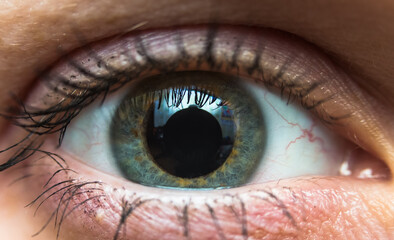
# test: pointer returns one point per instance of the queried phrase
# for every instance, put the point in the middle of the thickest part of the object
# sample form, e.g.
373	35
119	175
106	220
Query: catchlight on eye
135	132
190	140
202	130
189	129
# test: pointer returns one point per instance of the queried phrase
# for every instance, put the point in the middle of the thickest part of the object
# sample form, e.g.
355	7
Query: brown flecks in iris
140	120
134	132
184	182
202	181
138	158
235	152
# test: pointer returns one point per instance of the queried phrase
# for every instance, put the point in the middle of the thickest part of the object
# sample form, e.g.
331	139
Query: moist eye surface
188	129
293	68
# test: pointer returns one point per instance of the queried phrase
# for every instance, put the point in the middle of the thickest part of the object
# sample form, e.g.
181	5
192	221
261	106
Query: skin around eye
333	25
197	214
267	56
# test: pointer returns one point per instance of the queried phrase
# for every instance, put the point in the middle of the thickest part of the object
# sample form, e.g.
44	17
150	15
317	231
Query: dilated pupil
188	130
189	145
192	137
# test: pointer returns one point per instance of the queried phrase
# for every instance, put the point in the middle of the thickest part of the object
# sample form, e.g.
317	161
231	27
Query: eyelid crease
300	71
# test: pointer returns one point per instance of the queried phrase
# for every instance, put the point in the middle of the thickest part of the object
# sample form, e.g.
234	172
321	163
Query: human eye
178	57
102	71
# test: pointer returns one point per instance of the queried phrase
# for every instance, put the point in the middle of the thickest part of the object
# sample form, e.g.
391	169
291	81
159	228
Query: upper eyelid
142	44
42	51
67	61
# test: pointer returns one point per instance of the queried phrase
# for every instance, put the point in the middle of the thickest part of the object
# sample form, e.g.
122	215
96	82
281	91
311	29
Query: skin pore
358	35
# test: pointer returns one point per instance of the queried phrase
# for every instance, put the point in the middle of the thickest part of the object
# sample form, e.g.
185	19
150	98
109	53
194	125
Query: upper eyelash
55	119
108	84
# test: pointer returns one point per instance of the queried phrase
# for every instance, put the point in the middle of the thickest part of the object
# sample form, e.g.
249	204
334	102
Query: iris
188	129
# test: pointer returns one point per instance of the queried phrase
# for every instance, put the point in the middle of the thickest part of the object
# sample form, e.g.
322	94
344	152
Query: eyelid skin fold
285	209
269	57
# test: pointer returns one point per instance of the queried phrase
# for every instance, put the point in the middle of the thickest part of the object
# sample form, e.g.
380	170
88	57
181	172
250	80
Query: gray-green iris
170	95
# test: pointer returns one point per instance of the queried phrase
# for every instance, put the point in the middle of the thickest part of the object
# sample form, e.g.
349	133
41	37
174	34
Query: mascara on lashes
97	70
80	80
298	70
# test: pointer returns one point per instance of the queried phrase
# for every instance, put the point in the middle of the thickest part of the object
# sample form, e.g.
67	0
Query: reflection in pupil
190	142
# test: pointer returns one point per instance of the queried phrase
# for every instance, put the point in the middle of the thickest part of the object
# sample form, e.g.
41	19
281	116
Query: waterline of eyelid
260	206
255	70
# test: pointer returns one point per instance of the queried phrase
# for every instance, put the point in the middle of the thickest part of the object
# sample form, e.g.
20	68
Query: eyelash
55	119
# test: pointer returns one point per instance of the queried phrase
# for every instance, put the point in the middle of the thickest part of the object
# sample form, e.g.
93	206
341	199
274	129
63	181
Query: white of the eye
296	143
88	137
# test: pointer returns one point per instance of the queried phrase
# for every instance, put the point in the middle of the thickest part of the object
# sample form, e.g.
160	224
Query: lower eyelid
291	208
296	59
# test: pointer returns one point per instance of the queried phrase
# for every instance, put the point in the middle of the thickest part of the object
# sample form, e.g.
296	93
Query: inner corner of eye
202	130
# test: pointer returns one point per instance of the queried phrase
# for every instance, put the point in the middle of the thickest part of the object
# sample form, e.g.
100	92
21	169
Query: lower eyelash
77	95
73	194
